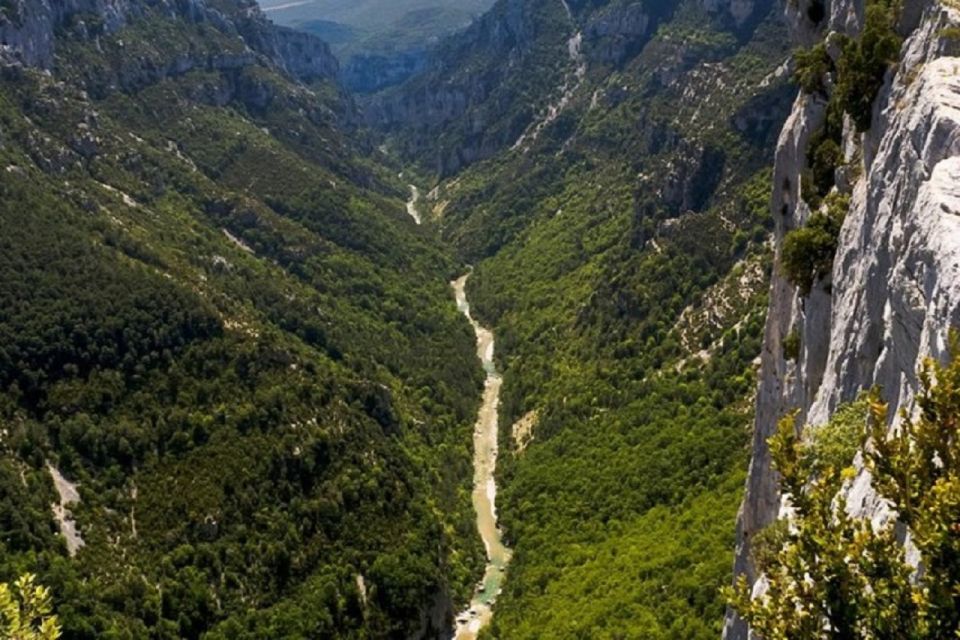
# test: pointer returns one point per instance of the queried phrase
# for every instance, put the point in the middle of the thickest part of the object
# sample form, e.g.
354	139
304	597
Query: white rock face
27	28
67	491
894	293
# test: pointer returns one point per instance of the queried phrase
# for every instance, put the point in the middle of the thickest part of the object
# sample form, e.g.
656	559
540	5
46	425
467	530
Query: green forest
628	296
220	327
218	321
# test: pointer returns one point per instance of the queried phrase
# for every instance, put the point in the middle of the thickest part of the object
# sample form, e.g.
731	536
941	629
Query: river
412	204
480	610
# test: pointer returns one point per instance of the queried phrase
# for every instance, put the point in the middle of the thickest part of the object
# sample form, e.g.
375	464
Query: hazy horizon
390	27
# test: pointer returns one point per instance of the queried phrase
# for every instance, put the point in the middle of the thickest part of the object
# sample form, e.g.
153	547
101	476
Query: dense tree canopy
218	322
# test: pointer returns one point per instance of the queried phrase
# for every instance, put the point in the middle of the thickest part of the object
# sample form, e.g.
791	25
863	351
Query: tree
918	471
836	576
808	252
26	611
812	67
863	65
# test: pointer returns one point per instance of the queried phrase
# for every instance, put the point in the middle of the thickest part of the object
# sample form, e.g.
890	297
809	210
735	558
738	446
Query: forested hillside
238	398
481	88
620	237
219	324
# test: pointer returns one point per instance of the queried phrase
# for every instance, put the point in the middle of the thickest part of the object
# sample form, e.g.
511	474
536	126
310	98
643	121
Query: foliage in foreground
837	576
25	611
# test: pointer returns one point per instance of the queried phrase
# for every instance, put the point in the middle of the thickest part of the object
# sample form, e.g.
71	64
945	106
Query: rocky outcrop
28	27
894	293
369	73
613	36
502	35
473	84
301	55
29	31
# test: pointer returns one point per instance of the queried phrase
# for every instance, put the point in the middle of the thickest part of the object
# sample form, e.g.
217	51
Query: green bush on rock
812	67
831	575
857	77
808	252
860	69
791	345
865	60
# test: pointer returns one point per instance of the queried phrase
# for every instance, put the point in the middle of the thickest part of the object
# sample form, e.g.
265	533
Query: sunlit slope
218	320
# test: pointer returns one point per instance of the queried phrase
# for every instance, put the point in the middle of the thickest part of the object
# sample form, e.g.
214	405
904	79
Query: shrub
26	611
865	60
791	345
836	576
824	160
835	444
812	67
766	544
858	77
808	252
824	155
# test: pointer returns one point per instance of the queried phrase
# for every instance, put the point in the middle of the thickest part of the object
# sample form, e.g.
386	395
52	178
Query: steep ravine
479	612
485	442
894	293
349	485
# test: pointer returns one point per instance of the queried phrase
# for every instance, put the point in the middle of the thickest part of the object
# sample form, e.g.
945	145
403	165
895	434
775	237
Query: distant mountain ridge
380	42
481	89
28	32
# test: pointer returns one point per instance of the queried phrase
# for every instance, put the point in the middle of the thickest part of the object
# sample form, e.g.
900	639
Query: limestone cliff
372	72
514	69
480	87
29	28
894	293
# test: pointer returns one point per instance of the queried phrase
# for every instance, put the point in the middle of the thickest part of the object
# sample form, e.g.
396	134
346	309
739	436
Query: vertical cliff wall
894	293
